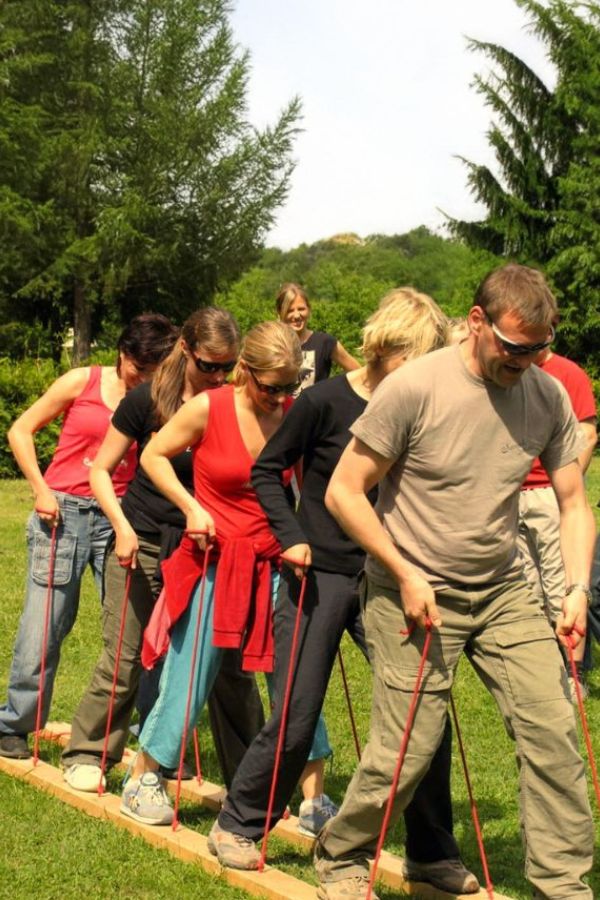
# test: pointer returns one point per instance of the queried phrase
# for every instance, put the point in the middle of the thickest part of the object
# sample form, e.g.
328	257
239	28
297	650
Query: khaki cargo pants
510	644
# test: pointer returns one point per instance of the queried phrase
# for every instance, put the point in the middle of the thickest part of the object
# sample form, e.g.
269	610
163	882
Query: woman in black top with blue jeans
316	429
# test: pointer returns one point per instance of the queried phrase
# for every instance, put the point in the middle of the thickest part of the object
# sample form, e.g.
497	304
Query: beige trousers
539	545
512	648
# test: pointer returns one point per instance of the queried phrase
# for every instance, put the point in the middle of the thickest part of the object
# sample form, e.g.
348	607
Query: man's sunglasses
273	389
521	349
209	368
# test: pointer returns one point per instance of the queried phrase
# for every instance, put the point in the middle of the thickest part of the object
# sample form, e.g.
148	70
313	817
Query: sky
387	105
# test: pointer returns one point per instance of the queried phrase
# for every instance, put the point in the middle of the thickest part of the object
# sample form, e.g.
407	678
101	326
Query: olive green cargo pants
513	650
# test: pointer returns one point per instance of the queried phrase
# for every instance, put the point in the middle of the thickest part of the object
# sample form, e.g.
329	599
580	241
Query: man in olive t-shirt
450	438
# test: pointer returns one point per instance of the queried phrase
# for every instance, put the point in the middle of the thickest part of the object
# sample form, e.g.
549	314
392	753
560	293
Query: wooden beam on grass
211	796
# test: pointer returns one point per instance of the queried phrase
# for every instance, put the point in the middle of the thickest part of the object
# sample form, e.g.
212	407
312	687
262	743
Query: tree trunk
82	324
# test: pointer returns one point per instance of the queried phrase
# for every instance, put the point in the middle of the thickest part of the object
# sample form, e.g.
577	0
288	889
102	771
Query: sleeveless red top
244	547
85	423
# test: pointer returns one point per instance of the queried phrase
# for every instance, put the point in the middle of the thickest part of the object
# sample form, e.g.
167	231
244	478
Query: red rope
113	690
197	756
349	702
584	722
474	814
283	725
188	703
402	753
47	614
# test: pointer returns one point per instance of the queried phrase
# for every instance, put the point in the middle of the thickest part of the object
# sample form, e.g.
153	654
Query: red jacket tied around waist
244	550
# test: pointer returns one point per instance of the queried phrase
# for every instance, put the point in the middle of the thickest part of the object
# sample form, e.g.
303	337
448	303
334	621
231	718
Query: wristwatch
584	588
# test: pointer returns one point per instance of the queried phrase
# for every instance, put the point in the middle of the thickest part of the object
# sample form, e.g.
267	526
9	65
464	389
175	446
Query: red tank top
222	467
85	423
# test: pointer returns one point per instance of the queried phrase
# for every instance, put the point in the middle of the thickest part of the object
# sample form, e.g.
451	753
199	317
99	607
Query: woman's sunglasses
209	368
273	389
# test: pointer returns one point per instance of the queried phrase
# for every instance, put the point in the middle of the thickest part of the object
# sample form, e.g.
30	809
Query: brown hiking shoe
449	875
354	888
233	850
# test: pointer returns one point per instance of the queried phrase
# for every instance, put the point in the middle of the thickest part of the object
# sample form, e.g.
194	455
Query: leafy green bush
19	339
21	383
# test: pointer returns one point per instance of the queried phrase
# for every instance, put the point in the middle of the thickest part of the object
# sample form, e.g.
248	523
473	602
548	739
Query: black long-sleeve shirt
315	429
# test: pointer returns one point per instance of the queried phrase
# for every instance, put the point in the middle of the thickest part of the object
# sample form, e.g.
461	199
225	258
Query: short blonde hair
406	322
269	345
286	296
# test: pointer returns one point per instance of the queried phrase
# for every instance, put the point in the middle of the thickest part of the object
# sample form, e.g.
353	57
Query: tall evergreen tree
151	186
546	147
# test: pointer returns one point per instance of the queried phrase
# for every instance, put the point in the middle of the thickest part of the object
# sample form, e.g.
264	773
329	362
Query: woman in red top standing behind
228	428
86	398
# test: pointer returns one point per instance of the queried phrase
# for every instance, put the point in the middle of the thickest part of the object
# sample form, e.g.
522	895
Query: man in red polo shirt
539	538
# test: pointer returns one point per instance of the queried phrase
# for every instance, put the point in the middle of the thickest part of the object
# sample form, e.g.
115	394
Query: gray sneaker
233	850
354	888
449	875
314	814
145	800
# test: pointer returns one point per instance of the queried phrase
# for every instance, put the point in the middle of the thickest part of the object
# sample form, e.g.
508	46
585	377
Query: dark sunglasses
273	389
521	349
211	367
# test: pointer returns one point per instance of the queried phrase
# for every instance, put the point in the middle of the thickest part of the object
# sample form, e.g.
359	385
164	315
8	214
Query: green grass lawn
51	851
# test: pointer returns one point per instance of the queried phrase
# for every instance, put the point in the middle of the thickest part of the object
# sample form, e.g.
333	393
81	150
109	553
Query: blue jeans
81	539
163	729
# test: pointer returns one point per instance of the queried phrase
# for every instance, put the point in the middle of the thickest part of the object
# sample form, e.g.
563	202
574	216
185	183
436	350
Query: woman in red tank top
86	398
227	429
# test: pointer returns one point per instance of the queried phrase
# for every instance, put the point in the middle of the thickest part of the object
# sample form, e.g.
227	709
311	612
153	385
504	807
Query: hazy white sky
387	103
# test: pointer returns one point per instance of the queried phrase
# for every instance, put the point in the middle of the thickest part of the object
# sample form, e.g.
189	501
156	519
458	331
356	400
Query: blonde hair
286	296
459	329
269	345
520	290
406	322
212	328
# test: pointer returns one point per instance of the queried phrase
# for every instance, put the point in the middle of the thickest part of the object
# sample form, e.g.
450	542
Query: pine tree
152	187
542	200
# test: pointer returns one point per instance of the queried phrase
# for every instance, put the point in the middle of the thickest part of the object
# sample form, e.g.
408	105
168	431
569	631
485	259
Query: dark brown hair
216	331
520	290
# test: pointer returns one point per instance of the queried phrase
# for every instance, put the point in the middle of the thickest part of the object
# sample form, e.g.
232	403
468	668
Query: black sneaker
14	746
171	774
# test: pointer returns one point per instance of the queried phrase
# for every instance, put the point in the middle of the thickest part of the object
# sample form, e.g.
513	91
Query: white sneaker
84	777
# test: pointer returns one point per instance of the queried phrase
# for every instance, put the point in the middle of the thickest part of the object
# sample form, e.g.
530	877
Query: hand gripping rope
349	703
402	753
188	703
47	617
283	725
111	703
474	814
584	722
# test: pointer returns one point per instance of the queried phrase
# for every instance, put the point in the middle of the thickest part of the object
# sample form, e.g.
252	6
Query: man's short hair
520	290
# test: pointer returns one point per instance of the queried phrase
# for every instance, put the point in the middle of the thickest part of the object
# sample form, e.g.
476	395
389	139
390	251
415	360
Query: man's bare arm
577	538
588	427
359	469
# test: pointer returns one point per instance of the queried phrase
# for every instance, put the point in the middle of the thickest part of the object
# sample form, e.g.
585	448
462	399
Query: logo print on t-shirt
307	372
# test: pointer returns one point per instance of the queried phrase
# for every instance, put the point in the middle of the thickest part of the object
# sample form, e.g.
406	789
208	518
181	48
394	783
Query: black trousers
331	606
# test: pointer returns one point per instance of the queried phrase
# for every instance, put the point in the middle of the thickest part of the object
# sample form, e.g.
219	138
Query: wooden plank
212	795
183	843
